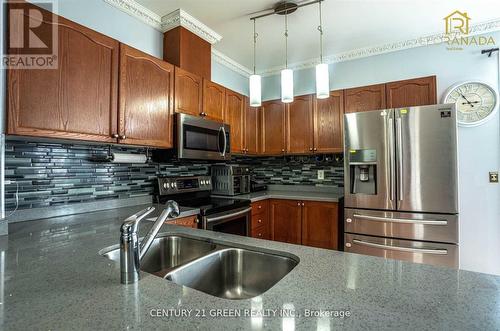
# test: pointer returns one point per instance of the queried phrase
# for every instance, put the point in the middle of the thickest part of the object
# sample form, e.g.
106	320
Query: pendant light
322	74
255	80
286	74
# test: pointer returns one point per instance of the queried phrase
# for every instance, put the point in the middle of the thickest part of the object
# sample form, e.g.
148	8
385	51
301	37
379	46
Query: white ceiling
348	25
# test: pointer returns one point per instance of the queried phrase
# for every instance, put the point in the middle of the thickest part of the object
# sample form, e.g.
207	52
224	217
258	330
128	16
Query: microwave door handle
225	141
221	152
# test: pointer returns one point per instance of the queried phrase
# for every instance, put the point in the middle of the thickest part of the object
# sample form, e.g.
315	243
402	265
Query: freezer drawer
415	226
405	250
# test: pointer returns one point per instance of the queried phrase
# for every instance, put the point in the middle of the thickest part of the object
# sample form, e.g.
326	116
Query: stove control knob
202	182
165	186
174	185
209	182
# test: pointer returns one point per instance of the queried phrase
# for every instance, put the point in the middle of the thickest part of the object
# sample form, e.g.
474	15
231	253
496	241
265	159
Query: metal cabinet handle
401	220
310	149
283	150
402	249
123	137
114	135
303	204
315	149
260	207
197	221
298	203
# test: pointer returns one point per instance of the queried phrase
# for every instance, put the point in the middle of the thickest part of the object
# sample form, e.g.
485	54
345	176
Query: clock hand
470	103
464	103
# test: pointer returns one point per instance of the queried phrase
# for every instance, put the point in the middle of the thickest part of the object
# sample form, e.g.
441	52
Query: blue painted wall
230	79
479	147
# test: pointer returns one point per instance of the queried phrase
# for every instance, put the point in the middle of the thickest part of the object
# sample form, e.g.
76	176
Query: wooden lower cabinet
286	220
308	223
320	224
261	223
188	222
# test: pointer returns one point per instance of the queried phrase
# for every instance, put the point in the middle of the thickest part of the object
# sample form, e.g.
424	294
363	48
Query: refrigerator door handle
401	220
392	181
402	249
399	151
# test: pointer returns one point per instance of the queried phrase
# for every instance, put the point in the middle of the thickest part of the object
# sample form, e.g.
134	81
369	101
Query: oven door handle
223	217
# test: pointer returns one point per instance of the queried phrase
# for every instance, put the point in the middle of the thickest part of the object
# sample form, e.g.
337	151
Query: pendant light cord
320	29
286	39
255	35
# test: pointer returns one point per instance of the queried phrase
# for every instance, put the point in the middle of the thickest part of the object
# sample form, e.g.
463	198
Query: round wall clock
476	102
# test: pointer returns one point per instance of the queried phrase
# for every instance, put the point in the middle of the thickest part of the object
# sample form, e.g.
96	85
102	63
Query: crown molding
138	11
181	18
437	38
230	63
168	22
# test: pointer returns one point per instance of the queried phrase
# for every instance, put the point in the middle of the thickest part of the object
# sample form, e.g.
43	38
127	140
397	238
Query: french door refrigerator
401	190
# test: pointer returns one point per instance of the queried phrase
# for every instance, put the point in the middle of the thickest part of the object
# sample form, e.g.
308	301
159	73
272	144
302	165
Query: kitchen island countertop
52	278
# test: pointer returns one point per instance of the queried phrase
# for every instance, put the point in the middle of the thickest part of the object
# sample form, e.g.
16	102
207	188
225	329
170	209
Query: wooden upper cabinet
234	116
320	224
299	125
412	92
146	99
252	128
286	221
273	127
188	93
328	123
78	100
214	98
365	98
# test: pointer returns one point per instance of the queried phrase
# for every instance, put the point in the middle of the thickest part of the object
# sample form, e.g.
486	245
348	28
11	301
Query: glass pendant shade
255	91
287	85
322	81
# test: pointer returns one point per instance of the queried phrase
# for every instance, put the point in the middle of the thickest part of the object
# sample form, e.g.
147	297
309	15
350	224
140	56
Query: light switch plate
321	174
494	177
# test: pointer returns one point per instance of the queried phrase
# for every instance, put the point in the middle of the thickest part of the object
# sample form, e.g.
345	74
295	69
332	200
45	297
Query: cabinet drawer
259	220
190	222
261	232
260	207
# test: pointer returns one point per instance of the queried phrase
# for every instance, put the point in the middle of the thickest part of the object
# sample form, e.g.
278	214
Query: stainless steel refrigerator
401	189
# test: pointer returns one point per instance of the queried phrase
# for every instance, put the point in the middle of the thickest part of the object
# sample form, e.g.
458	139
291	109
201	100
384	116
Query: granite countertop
296	192
52	278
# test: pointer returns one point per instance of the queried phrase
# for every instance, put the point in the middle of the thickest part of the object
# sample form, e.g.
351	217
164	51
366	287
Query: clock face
475	102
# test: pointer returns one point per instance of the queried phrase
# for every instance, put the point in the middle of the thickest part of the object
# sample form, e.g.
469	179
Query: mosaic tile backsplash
52	174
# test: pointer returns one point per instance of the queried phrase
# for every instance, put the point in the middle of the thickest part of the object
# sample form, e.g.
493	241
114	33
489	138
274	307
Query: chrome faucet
131	253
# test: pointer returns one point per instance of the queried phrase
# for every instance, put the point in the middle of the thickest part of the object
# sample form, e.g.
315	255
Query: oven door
232	222
198	138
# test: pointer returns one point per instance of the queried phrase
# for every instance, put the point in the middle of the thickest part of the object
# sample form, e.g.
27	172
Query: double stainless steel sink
219	269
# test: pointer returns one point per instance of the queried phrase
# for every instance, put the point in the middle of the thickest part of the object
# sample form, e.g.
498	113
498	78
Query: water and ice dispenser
363	171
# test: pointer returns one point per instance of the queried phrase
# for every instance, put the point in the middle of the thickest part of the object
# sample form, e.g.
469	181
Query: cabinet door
273	127
78	100
252	125
329	123
188	92
286	221
299	125
214	97
365	98
234	116
320	224
146	99
412	92
188	222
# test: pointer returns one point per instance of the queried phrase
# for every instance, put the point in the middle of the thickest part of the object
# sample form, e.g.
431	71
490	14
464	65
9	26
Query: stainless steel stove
226	215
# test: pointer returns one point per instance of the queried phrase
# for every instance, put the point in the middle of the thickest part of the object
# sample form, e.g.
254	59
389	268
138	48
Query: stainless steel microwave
201	139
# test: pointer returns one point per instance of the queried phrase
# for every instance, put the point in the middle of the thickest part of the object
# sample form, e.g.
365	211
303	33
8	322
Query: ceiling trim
168	22
438	38
136	10
230	63
181	18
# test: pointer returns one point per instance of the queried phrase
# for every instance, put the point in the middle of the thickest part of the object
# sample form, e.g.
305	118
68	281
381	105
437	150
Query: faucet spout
171	210
131	252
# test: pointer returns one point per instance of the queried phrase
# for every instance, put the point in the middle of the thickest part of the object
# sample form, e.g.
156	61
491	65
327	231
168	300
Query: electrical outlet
494	177
321	174
8	182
